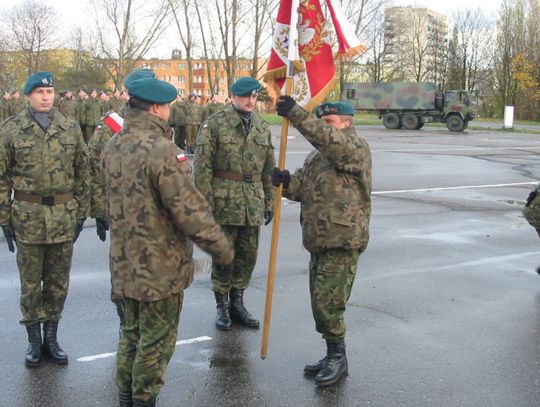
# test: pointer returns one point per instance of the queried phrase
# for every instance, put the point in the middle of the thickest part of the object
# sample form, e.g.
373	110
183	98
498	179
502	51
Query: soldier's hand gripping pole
275	226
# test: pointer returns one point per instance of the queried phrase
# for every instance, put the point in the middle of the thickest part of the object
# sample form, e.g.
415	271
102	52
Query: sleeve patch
181	157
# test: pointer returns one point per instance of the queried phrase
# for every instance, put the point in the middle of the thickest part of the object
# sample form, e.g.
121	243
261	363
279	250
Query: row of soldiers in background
187	115
88	109
11	104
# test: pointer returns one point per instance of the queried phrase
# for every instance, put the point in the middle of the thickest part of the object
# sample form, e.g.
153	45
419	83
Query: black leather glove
268	216
225	272
78	228
281	177
10	237
284	105
101	228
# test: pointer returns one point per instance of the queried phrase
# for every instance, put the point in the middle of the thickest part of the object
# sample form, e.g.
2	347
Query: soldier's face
336	121
245	103
41	99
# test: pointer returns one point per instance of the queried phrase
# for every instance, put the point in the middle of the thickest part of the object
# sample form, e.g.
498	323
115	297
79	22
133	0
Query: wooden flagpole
275	224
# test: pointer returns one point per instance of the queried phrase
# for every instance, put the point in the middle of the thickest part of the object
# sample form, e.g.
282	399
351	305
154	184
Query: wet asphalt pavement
445	310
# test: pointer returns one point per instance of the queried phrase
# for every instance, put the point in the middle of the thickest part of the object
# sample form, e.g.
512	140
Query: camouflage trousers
147	345
180	136
246	245
331	277
191	135
44	274
88	133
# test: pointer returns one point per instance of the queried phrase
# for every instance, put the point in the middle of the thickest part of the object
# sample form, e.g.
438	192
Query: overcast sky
79	12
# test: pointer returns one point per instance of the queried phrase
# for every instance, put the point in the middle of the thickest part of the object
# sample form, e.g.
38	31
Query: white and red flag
303	35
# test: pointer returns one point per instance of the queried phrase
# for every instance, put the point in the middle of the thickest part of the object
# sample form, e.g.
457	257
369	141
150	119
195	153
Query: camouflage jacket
80	111
154	212
42	164
333	186
531	211
178	114
93	111
222	146
193	113
97	142
15	106
70	108
210	109
115	104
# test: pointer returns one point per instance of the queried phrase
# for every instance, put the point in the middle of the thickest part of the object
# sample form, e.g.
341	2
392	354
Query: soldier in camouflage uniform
69	106
178	122
4	105
81	98
334	188
213	106
115	103
43	160
15	103
233	165
93	111
155	212
193	113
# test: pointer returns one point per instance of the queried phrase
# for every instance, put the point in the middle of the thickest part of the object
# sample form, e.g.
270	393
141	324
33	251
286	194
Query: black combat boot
312	370
50	343
33	353
140	403
238	312
125	399
334	366
223	319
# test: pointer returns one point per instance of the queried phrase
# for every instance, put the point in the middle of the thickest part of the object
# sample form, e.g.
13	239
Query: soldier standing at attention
15	104
155	212
4	106
68	105
81	98
115	103
213	106
177	121
233	166
334	189
43	160
93	110
193	112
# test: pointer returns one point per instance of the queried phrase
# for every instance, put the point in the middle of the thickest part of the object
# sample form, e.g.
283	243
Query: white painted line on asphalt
91	358
420	150
398	150
398	191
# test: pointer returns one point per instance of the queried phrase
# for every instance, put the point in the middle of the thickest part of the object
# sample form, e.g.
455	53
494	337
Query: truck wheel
465	125
391	121
420	123
410	121
455	123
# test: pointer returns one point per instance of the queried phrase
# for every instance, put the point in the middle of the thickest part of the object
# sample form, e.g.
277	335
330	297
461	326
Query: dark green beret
138	74
339	108
153	90
38	80
245	86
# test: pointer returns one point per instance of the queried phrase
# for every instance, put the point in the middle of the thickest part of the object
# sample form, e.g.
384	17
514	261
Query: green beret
138	74
153	90
339	108
38	80
245	86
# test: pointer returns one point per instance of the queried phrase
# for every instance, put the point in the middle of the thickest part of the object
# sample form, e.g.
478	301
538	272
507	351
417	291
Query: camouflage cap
245	86
138	74
42	79
339	108
153	90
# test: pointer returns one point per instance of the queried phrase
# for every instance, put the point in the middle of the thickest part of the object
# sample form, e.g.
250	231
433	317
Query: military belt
44	200
236	176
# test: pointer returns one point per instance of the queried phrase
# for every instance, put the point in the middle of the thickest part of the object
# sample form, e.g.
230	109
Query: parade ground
444	312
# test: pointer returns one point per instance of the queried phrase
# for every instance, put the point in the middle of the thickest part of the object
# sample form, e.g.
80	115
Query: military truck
409	105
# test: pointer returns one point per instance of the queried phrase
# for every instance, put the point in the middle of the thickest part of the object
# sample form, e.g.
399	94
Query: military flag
303	35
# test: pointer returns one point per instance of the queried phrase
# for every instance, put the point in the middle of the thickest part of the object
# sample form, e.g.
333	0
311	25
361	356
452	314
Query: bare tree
183	17
117	22
262	11
33	26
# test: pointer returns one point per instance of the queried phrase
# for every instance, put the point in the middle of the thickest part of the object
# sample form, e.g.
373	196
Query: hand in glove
225	272
281	177
78	228
101	228
284	105
10	237
268	216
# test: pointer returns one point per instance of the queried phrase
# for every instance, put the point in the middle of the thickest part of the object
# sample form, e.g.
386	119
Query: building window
182	66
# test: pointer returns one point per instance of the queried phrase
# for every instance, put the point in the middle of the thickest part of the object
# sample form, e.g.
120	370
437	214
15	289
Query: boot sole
31	364
329	383
224	328
240	321
56	361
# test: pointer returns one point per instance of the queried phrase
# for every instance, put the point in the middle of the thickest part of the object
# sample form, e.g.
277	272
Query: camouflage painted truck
409	105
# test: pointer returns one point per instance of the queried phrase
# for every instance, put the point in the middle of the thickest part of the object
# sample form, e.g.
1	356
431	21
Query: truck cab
458	109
